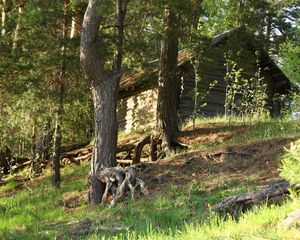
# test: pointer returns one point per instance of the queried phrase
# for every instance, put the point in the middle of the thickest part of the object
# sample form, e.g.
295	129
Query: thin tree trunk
57	132
104	86
74	31
194	40
3	18
196	93
60	103
56	153
15	43
41	150
33	140
168	88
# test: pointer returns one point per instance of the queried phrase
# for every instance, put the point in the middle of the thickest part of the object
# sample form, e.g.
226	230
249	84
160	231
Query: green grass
174	212
258	224
242	132
38	212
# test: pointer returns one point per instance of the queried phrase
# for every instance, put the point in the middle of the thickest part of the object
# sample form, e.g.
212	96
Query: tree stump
119	182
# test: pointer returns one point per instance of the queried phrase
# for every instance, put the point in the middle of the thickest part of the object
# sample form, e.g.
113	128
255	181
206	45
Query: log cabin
138	91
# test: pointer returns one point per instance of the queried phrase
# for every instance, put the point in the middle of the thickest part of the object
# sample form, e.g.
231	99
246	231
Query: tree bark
139	148
33	140
268	33
75	27
168	87
3	18
56	152
60	102
104	86
274	193
41	150
15	42
5	158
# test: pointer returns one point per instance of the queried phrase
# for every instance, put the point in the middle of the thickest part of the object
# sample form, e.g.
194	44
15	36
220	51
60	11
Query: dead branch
74	147
84	157
217	153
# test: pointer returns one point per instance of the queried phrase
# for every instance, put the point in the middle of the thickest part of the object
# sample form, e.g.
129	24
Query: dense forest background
40	68
228	176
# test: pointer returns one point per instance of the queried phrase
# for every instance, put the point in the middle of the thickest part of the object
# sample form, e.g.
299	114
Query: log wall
137	112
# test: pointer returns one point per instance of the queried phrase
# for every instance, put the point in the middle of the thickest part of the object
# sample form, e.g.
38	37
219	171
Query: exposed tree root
119	182
159	148
139	148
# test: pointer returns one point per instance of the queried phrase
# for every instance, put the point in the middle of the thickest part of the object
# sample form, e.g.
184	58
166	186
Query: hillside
223	160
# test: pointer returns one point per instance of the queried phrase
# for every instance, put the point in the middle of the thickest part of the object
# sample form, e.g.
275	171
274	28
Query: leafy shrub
290	169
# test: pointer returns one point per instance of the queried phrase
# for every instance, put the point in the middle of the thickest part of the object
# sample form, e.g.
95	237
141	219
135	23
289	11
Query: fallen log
274	193
84	157
18	167
77	153
86	153
73	147
124	161
126	147
18	160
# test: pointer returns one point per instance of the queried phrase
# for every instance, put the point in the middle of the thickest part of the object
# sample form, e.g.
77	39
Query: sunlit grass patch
238	132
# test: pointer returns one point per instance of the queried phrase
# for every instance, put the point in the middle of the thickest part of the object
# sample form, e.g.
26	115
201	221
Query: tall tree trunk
60	102
57	134
268	33
104	86
56	153
168	87
3	18
121	10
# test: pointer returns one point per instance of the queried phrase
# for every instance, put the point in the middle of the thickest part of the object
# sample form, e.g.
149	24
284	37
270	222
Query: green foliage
245	97
31	53
291	164
198	94
290	51
282	16
234	82
290	60
28	76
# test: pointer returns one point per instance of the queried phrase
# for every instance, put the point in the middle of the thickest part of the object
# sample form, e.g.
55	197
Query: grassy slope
37	211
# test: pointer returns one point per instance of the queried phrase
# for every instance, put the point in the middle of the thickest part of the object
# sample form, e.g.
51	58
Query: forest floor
223	159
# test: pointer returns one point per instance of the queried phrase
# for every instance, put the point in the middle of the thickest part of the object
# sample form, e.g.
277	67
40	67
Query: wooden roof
145	79
137	82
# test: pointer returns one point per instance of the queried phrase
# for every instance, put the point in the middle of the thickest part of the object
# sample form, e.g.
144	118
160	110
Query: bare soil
260	159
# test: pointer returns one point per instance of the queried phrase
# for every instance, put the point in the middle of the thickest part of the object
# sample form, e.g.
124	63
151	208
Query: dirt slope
259	159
